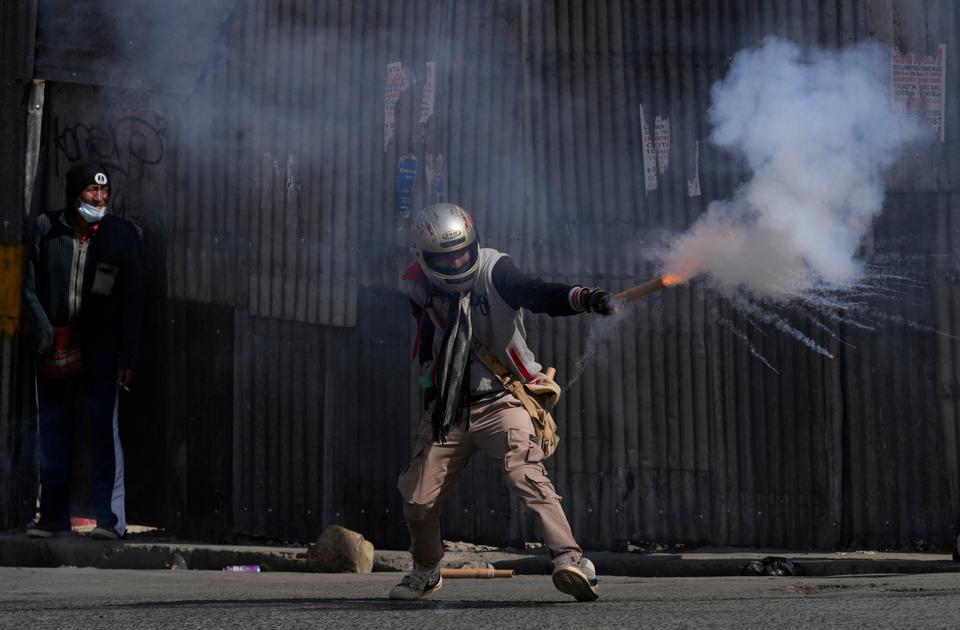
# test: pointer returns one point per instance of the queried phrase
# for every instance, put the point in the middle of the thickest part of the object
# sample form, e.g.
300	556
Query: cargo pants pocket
522	448
410	477
541	485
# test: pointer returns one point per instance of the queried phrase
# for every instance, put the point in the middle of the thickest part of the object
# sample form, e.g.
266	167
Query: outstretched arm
520	290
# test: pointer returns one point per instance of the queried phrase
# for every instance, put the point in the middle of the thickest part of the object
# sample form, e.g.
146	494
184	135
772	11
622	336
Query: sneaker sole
42	533
574	583
414	597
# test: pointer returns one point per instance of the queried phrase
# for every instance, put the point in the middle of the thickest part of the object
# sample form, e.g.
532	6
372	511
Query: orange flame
681	271
671	279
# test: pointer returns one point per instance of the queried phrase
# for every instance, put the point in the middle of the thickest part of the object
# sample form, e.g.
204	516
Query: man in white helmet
461	292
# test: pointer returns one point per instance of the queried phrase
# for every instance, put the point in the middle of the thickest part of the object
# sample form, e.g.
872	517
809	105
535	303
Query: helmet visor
453	263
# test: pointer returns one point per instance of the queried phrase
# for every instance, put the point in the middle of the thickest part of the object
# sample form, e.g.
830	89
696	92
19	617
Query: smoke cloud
817	131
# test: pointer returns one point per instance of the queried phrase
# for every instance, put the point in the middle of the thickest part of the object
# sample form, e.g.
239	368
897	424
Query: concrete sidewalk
80	551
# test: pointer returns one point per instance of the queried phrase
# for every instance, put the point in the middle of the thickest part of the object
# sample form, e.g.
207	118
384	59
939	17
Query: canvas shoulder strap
511	383
492	363
543	423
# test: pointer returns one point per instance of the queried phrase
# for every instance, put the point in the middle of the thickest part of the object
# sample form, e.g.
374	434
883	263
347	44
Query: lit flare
671	279
637	292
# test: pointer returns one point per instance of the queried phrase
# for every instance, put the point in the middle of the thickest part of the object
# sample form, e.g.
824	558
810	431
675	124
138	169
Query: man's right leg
106	461
55	401
433	470
504	431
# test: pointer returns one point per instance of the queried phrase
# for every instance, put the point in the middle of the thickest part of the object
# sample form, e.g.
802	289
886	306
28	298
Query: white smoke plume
817	131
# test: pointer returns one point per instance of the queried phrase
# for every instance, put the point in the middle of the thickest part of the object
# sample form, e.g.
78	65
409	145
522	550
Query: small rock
459	545
340	550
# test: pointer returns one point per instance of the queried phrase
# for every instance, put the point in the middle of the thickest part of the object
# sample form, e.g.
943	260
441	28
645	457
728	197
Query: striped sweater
94	282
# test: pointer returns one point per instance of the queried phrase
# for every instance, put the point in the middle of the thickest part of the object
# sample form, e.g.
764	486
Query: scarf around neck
453	373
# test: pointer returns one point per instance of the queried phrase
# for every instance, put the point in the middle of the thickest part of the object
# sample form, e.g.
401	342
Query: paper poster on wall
426	101
396	84
693	182
403	185
436	177
649	153
917	82
661	134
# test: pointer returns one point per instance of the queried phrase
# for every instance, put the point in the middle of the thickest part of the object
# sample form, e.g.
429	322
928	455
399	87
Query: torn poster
693	182
436	178
661	135
649	153
395	85
426	101
403	185
917	83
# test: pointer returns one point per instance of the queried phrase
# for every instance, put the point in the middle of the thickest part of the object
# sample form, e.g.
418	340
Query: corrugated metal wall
278	326
16	446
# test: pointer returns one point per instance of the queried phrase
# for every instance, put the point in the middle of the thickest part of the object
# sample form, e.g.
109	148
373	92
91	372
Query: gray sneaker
578	579
416	584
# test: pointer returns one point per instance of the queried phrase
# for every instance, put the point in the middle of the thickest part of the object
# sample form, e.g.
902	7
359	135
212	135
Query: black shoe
104	533
39	529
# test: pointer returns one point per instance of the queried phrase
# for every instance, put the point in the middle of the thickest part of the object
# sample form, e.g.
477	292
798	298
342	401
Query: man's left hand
598	301
124	378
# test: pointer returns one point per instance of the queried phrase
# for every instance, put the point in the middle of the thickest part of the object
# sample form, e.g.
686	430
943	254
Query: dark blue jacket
110	292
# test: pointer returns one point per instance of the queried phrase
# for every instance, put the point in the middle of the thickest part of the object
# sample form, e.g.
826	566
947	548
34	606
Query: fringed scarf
453	388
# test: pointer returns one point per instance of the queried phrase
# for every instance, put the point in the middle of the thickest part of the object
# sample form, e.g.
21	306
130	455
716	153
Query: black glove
596	300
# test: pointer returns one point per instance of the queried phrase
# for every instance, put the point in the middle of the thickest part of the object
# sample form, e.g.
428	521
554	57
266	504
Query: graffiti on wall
126	141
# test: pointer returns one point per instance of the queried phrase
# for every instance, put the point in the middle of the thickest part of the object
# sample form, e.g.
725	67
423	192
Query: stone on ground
340	550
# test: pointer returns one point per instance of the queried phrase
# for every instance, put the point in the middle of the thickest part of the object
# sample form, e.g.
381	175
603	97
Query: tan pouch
538	397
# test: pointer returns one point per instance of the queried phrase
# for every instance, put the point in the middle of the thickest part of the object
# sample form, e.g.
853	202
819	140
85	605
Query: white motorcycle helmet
442	234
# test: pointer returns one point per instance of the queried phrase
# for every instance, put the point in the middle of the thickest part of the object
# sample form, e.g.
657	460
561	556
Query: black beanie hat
84	174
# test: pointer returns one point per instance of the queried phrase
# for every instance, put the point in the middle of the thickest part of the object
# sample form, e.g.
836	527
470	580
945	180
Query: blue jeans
55	411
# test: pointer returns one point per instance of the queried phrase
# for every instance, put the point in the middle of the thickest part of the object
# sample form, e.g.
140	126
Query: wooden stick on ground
476	573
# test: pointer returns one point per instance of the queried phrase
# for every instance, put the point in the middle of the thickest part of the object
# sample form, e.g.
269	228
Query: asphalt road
68	597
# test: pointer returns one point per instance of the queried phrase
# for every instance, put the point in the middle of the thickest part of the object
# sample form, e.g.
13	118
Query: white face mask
91	214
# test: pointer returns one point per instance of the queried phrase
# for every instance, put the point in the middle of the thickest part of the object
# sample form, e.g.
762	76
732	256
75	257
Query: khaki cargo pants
502	429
